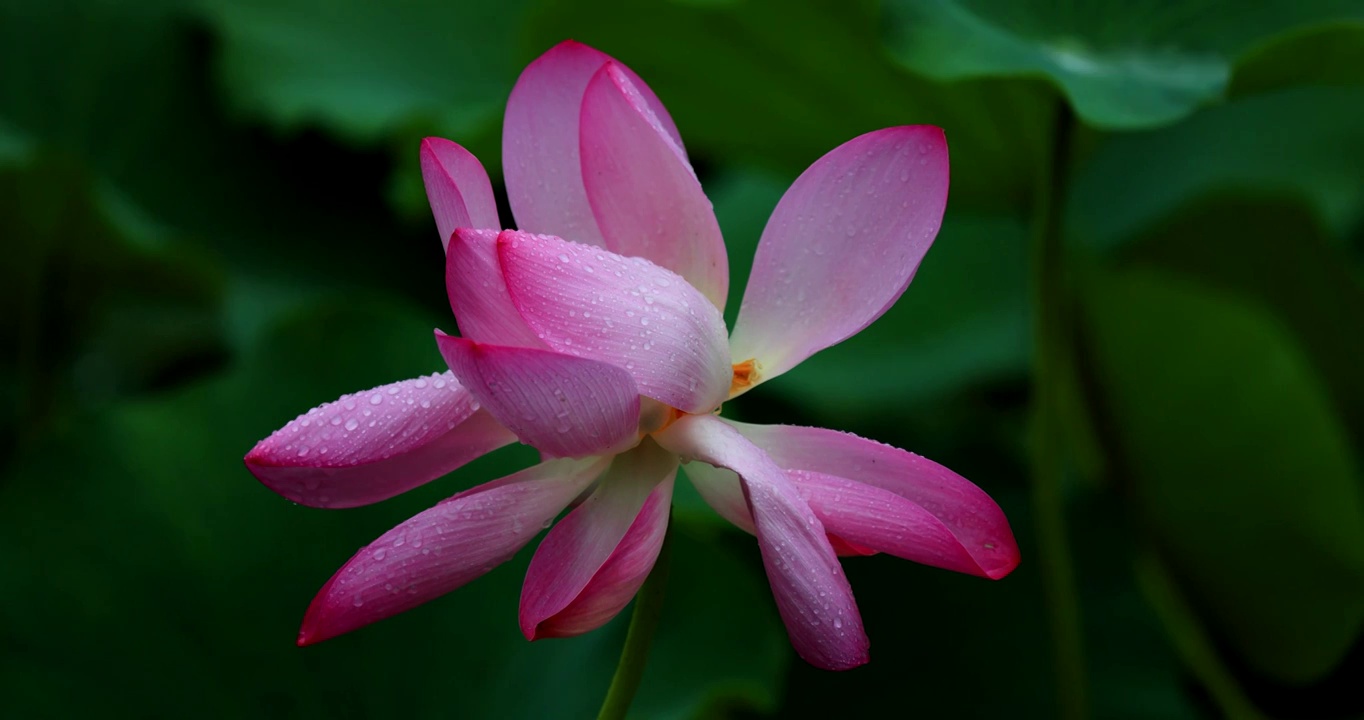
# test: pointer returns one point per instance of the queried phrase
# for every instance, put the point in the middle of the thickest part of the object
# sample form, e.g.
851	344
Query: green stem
643	623
1190	641
1051	339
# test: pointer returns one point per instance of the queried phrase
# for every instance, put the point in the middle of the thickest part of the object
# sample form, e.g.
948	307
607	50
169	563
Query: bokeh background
1141	329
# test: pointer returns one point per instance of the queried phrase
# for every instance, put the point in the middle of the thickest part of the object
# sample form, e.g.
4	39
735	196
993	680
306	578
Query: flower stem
1051	340
643	623
1190	640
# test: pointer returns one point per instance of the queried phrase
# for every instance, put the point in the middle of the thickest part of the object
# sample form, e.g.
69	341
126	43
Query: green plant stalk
1052	344
643	624
1190	641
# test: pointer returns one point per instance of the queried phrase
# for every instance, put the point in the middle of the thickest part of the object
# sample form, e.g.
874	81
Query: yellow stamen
745	376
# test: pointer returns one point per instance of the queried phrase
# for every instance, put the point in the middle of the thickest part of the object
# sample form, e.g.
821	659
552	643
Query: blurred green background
1141	330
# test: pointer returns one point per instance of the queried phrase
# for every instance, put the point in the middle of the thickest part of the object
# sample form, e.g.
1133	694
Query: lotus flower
594	334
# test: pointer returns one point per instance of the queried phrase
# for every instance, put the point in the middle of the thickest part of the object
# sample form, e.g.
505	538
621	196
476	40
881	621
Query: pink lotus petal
540	141
845	548
812	594
444	547
594	560
870	517
562	405
721	490
478	292
842	245
457	188
591	303
644	194
372	445
974	521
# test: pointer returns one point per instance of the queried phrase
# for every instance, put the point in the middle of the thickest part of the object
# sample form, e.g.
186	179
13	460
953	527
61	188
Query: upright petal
644	194
594	560
457	187
444	547
562	405
812	594
478	292
842	246
591	303
973	520
540	156
372	445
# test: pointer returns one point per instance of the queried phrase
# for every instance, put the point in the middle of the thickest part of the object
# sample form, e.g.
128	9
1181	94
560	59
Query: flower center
655	416
746	375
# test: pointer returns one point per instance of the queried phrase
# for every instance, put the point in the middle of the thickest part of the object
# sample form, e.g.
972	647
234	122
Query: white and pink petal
444	547
867	517
591	303
813	596
562	405
722	491
961	513
842	245
644	194
593	561
457	187
540	155
372	445
478	291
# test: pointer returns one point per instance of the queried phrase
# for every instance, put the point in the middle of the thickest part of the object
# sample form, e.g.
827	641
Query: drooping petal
540	157
457	188
478	292
721	490
594	560
842	245
372	445
870	517
845	548
444	547
812	594
562	405
972	519
595	304
644	194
